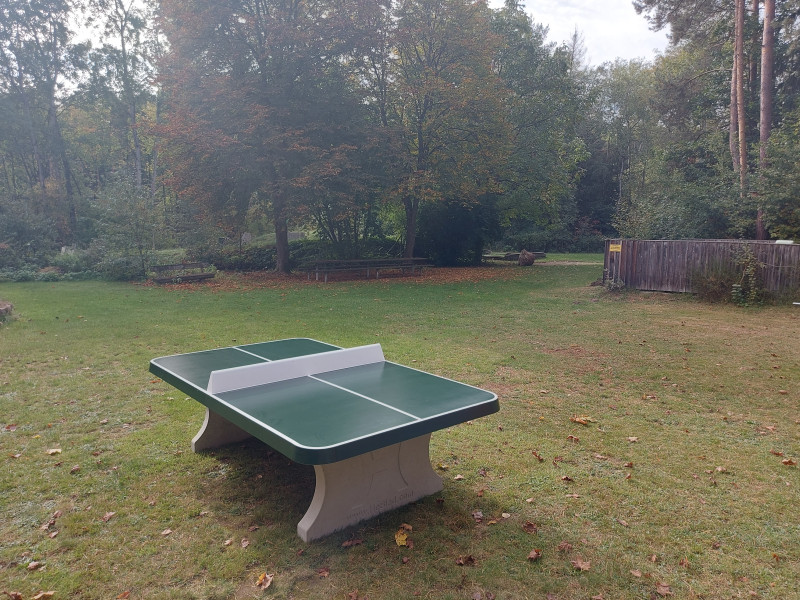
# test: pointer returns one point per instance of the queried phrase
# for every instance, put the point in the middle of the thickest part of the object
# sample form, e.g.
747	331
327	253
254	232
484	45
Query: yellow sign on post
615	247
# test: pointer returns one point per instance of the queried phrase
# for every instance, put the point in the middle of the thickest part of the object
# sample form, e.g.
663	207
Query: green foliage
737	281
452	234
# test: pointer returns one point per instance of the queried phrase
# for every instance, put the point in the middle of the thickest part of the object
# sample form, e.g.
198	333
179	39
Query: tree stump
526	258
5	309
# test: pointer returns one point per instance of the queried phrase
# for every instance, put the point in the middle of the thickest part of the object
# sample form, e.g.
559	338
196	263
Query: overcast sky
610	28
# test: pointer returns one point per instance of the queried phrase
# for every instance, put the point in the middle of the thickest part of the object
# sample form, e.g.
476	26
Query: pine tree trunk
740	100
767	64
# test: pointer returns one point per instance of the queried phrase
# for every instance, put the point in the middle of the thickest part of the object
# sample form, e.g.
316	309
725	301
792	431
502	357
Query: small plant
614	286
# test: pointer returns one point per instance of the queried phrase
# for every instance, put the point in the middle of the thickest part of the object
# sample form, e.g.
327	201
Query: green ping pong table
363	422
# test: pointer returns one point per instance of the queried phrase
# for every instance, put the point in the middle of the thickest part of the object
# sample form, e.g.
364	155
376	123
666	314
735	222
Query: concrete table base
351	490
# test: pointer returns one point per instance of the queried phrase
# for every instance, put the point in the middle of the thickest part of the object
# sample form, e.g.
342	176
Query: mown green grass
700	501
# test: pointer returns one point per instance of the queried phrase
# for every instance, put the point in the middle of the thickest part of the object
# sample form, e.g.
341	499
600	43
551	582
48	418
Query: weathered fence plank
668	265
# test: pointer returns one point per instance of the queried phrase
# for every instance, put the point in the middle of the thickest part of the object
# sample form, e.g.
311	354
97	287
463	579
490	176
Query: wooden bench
511	256
181	272
368	266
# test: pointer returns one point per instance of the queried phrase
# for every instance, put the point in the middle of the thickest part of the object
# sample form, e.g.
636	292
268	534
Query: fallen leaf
530	527
535	555
628	465
106	517
33	565
789	462
573	496
14	595
662	589
537	456
166	532
582	419
530	500
622	522
401	537
573	439
567	478
324	572
53	451
505	515
227	542
598	597
124	595
636	572
684	563
11	427
581	565
75	469
264	581
564	546
478	516
352	542
41	595
776	453
52	534
465	561
458	477
245	542
633	439
252	528
17	455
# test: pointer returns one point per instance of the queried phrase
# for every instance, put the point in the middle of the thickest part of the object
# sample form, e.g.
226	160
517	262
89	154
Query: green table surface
330	416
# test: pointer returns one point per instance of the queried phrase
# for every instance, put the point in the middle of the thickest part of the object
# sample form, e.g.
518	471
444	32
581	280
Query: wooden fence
668	265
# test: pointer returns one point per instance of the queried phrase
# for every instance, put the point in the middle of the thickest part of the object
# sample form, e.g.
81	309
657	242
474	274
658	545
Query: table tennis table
364	423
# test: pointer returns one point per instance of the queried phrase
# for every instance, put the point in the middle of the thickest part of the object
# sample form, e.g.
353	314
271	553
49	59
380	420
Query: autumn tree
449	102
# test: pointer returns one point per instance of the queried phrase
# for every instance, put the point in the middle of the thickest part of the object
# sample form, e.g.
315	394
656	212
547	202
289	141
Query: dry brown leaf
33	565
582	419
567	478
458	477
623	522
124	595
14	595
633	439
42	595
573	496
636	572
245	542
466	561
106	517
264	581
166	532
352	542
227	542
564	546
537	456
530	527
662	589
581	565
535	555
789	462
478	516
324	572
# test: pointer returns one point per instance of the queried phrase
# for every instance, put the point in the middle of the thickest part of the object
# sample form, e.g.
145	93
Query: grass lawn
646	444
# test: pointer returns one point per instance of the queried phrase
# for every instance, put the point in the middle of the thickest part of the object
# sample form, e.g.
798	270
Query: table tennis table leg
217	431
364	486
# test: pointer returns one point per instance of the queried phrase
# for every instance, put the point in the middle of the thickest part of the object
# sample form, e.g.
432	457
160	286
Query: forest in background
434	128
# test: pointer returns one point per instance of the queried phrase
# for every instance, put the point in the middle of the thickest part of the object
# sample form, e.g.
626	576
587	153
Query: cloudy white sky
610	28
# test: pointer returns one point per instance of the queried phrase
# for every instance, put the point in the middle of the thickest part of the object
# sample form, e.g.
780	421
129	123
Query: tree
257	102
36	54
449	101
546	105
